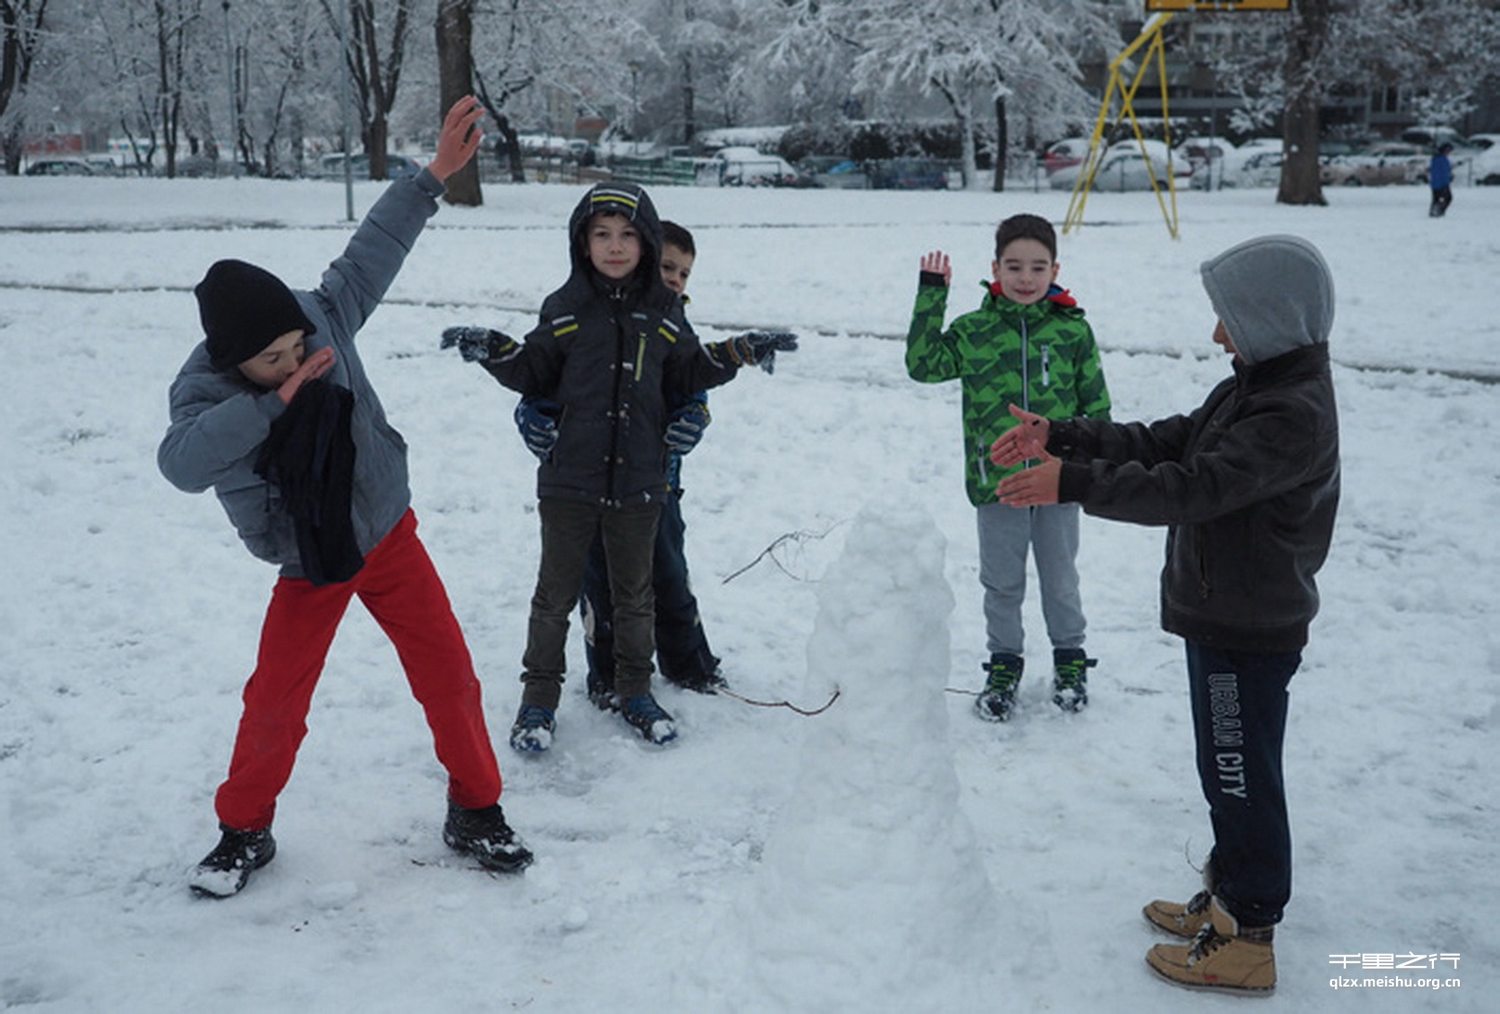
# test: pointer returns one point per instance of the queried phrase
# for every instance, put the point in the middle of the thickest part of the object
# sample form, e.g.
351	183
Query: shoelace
1205	943
1070	675
1001	680
1198	903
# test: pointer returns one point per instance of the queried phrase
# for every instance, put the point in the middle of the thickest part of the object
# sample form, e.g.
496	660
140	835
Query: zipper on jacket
1046	373
1025	366
617	315
640	356
984	464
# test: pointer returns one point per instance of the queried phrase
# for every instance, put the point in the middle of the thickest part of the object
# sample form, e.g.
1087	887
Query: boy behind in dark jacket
1248	486
273	410
615	353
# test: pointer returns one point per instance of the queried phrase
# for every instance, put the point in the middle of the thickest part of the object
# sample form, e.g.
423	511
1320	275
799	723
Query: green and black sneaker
998	698
1070	682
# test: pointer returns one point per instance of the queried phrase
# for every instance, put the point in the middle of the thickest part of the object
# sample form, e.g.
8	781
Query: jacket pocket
263	525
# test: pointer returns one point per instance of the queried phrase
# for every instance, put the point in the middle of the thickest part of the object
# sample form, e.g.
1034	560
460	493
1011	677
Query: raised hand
937	263
476	344
459	138
313	367
686	425
537	418
1023	442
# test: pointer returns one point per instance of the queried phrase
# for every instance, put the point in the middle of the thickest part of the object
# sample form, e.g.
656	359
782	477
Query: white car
1122	170
1484	168
746	167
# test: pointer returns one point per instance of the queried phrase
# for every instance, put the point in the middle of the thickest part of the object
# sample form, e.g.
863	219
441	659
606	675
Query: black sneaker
1070	682
997	700
533	728
699	682
649	719
226	870
484	834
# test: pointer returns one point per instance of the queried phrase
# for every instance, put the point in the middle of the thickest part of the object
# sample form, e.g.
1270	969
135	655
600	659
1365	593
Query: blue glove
477	344
686	425
759	348
536	418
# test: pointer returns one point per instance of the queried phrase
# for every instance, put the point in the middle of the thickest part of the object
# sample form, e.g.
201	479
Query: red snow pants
400	587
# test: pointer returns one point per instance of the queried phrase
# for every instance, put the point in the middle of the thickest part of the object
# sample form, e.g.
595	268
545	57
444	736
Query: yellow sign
1218	5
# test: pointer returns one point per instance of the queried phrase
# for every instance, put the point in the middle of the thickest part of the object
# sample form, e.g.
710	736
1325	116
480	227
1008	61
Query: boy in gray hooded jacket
1248	486
274	412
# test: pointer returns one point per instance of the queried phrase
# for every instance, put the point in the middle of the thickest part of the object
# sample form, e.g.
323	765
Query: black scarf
310	457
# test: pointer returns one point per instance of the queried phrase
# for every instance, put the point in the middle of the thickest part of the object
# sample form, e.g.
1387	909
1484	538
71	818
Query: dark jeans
1239	720
1441	198
569	529
682	650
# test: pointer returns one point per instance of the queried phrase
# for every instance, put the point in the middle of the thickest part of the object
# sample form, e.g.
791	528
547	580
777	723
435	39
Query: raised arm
354	284
930	356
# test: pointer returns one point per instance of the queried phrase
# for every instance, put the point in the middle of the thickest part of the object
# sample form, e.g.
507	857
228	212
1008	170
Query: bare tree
376	75
455	40
171	24
23	23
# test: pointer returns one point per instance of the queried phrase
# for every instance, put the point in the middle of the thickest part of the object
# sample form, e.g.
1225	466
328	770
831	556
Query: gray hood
1273	293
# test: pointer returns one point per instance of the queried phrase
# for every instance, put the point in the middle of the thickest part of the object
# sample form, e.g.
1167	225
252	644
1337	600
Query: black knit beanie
245	308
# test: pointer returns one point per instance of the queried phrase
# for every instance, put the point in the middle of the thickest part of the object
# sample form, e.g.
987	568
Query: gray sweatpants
1051	533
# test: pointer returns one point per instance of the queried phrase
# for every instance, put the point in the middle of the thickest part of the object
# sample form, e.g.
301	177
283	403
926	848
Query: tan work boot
1221	958
1178	918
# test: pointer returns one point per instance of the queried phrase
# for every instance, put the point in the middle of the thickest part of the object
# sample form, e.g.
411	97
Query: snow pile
873	838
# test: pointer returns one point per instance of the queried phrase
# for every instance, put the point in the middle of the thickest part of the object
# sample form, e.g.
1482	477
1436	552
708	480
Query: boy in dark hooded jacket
1248	485
614	350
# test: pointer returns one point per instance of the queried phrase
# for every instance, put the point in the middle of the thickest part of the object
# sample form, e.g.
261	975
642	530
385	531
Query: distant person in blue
1440	179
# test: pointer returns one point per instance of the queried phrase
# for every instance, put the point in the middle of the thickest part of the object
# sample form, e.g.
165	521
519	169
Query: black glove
759	348
536	418
686	425
477	344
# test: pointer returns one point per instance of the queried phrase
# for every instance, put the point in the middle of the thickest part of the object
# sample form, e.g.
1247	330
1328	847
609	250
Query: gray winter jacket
219	419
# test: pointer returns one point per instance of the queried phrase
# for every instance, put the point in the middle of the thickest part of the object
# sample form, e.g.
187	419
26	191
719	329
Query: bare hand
1023	442
313	367
1031	487
937	263
459	139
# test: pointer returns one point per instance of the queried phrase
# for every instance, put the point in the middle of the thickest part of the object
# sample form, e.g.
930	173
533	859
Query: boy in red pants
274	412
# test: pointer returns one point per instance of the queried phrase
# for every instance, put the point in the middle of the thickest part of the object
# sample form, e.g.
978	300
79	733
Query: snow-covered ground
891	854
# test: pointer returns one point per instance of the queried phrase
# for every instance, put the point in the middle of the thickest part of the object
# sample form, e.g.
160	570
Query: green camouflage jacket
1041	357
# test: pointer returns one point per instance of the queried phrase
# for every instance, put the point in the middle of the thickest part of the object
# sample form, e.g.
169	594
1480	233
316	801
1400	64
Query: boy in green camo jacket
1027	344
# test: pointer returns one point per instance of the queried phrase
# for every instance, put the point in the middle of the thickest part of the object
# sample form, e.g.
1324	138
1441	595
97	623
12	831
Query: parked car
746	167
1431	136
1485	167
834	171
908	174
1064	153
396	166
1123	170
1260	168
1202	152
60	167
1483	142
1378	165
